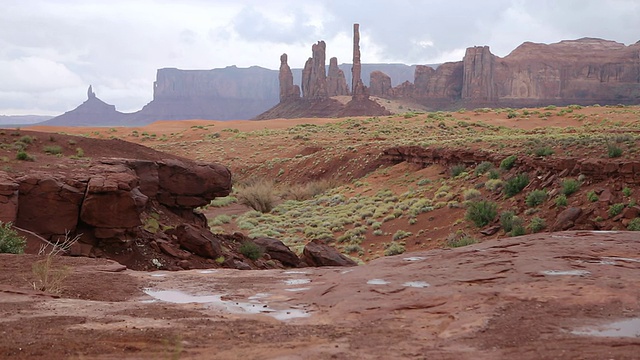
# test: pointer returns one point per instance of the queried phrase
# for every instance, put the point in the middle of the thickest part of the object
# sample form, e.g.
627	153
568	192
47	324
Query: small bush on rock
10	241
251	250
569	186
514	185
481	213
536	197
508	162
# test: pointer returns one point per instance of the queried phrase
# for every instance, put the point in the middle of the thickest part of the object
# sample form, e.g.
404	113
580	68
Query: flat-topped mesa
314	78
288	91
359	91
336	81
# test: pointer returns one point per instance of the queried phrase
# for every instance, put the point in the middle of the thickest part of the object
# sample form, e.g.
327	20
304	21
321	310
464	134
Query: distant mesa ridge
583	71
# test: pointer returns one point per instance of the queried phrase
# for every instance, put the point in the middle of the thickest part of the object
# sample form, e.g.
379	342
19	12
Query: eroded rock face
314	78
288	91
380	84
199	242
583	71
336	81
8	198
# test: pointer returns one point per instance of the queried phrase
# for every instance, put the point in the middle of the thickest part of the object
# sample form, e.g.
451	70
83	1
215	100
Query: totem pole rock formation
287	89
336	81
358	90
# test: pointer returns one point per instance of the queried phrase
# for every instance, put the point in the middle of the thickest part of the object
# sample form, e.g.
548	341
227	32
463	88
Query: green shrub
512	114
494	174
459	240
537	224
615	209
569	186
26	139
251	250
458	169
219	220
543	151
482	168
481	213
634	225
223	201
627	191
260	196
401	234
536	197
561	200
394	248
24	156
53	150
613	151
591	196
506	220
508	162
514	185
517	227
10	241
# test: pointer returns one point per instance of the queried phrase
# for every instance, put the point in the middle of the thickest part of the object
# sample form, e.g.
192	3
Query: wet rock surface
544	296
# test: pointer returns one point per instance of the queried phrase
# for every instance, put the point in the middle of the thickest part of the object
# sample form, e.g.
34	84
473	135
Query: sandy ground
545	296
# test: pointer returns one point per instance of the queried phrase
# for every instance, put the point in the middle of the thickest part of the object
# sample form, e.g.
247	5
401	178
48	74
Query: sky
52	50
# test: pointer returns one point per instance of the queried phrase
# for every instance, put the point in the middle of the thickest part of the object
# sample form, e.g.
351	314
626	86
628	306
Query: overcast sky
51	50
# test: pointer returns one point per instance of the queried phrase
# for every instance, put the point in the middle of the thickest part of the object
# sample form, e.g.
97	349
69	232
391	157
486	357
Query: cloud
59	47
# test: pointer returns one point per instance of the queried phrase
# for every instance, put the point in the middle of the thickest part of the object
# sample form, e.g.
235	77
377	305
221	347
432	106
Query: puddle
416	284
377	282
345	272
296	272
615	258
207	271
235	307
623	328
298	289
566	272
258	296
414	258
297	281
158	275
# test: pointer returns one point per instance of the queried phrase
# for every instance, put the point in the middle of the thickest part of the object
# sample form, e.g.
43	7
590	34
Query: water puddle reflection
623	328
566	272
416	284
235	307
377	282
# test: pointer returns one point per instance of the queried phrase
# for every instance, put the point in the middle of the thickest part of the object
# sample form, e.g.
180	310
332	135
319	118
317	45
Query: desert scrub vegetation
508	162
394	248
251	250
569	186
10	241
459	239
516	184
537	224
258	195
48	276
481	213
535	198
482	168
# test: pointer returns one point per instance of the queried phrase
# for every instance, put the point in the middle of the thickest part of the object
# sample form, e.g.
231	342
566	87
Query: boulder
48	205
111	201
316	253
187	185
197	240
566	219
278	251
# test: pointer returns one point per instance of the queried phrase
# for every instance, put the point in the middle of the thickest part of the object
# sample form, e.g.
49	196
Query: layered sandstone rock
336	81
584	71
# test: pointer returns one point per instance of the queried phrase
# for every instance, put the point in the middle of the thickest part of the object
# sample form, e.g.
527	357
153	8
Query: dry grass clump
259	195
50	278
308	190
